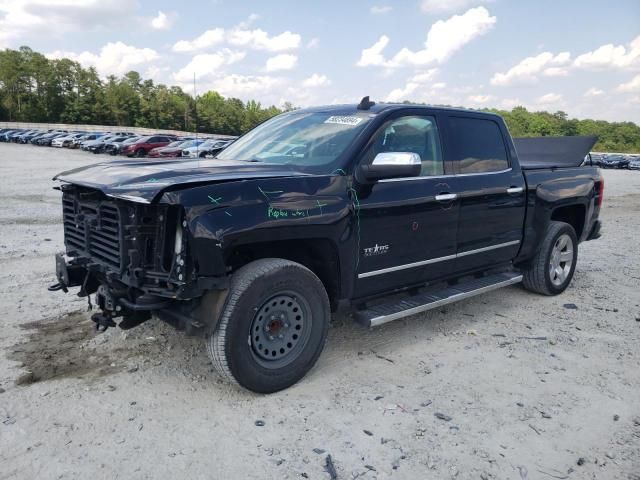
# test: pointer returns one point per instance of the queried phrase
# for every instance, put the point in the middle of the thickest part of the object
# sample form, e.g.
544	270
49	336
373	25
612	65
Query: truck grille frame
93	228
126	242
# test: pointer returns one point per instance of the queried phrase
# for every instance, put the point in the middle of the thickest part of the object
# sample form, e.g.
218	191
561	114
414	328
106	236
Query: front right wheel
553	266
273	326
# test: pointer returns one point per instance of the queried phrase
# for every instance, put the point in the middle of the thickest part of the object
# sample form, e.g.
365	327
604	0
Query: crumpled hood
144	180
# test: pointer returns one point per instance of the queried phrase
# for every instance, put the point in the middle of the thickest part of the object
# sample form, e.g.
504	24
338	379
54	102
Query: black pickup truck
383	210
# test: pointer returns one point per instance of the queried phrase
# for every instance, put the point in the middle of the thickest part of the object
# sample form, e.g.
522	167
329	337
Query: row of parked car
120	143
616	160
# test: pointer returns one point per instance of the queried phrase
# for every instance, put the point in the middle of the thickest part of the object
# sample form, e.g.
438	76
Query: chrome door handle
446	197
515	190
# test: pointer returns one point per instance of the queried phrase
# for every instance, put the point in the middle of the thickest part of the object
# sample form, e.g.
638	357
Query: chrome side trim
515	189
486	249
424	177
374	322
435	260
402	267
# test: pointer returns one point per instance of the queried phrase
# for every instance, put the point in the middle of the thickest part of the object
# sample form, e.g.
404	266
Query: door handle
515	190
446	197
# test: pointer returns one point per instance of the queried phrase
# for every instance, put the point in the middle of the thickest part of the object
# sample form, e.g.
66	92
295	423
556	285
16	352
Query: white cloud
162	21
445	37
611	56
242	36
313	43
260	40
528	69
372	56
480	99
206	40
593	92
316	80
632	86
606	57
283	61
549	99
380	9
20	18
448	6
417	82
114	58
242	86
207	65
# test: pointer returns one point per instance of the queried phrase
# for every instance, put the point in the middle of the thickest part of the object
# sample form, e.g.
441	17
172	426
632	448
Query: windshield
313	140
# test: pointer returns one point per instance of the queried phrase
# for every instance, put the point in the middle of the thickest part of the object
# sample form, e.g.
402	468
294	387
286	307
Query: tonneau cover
557	152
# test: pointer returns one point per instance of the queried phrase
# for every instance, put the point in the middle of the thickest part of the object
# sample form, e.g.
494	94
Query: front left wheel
273	326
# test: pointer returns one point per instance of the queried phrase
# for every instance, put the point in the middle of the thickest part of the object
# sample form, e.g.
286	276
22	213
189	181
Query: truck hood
143	180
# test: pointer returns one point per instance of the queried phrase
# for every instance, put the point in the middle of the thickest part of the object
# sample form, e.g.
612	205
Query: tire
538	276
139	153
267	352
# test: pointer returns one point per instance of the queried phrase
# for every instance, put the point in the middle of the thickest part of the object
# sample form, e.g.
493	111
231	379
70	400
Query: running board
387	312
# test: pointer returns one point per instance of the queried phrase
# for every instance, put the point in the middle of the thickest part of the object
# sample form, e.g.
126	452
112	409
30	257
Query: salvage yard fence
105	128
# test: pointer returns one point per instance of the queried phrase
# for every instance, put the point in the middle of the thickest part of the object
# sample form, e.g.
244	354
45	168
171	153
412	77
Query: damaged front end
134	257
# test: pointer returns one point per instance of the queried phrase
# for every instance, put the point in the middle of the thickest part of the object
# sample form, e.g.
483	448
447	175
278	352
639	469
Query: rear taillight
600	192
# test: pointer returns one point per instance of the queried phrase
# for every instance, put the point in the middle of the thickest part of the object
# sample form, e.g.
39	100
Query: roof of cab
387	107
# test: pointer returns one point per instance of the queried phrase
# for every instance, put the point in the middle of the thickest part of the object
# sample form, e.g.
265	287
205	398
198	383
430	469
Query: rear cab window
477	145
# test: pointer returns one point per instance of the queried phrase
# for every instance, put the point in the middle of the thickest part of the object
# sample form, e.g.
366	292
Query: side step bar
387	312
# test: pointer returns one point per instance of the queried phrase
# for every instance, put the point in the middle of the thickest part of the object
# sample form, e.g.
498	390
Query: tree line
34	88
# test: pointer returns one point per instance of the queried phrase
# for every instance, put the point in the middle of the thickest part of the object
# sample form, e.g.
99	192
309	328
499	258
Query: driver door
407	225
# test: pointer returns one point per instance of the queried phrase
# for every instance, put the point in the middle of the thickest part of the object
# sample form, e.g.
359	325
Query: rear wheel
140	153
552	268
273	326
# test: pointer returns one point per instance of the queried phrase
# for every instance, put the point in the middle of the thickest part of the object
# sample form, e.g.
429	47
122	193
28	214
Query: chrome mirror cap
396	158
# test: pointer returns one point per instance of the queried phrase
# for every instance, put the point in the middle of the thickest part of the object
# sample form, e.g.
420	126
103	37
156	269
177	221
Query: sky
582	57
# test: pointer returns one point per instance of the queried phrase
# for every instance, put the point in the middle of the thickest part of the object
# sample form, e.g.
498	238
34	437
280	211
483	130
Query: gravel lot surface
509	385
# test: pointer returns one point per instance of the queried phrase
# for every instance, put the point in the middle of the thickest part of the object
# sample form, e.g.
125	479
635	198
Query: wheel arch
320	255
575	215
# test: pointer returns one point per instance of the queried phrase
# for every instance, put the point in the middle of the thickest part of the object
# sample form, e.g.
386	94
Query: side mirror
392	165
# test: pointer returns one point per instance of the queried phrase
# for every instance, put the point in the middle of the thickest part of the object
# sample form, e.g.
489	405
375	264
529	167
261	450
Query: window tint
410	134
477	145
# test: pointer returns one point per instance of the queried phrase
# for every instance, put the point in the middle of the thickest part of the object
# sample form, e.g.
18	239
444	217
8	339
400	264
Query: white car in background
197	149
66	140
204	148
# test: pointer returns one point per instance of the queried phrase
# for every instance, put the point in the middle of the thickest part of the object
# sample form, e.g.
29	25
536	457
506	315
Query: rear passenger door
490	189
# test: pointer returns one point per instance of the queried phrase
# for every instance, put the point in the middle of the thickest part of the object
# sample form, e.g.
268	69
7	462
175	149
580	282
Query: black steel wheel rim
280	329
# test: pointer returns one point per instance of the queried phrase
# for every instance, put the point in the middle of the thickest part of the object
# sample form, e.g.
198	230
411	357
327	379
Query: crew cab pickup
384	210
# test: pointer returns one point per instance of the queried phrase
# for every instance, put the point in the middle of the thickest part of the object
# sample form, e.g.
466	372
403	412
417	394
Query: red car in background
144	145
174	149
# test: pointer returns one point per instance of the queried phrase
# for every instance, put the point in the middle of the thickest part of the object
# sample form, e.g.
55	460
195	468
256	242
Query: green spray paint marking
356	205
281	213
266	194
215	201
320	205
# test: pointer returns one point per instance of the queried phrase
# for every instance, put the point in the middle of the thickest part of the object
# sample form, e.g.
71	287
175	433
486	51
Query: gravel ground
509	385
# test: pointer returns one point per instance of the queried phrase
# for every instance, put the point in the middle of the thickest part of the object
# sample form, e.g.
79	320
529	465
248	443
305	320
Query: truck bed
553	152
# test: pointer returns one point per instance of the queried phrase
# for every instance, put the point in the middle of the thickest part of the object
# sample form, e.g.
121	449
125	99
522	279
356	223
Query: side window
415	134
477	145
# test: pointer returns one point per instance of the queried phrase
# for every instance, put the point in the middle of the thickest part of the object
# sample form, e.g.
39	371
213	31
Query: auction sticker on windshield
340	120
